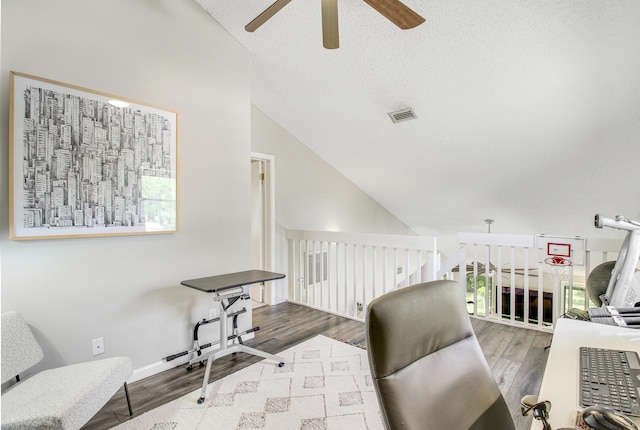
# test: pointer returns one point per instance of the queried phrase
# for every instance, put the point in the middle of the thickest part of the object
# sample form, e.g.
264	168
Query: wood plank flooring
516	356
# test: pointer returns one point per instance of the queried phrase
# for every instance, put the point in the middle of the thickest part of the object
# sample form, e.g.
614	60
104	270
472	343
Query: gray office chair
427	366
62	398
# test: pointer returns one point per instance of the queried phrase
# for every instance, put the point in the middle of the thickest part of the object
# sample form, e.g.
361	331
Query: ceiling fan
393	10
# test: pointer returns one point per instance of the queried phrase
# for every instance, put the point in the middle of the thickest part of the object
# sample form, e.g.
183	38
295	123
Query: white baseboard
162	365
157	367
279	300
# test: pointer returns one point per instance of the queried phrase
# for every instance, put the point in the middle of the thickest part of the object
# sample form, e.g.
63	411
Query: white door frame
269	220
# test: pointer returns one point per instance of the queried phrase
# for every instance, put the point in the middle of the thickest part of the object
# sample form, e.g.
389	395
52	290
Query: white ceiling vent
402	115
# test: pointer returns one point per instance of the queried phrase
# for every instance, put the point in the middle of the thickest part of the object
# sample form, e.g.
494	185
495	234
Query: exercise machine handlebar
619	222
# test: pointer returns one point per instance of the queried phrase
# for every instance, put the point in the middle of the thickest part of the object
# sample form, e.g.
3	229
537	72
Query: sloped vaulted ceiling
528	111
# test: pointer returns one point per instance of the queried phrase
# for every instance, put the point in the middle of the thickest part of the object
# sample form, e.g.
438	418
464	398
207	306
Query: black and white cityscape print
89	165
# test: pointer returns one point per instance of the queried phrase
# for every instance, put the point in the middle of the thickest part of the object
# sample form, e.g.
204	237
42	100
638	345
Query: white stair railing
518	276
341	273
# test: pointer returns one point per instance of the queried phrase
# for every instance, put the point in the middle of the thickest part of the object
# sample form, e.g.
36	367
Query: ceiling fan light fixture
402	115
394	10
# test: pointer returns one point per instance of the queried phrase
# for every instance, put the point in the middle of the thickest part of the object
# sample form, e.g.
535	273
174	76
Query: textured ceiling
528	110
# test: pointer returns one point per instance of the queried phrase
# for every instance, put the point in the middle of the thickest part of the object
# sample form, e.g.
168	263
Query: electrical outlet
98	346
213	313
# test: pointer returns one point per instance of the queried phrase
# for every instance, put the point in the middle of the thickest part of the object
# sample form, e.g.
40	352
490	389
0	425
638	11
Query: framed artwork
86	163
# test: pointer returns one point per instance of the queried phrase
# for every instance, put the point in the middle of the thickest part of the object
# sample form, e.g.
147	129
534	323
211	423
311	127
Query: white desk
560	383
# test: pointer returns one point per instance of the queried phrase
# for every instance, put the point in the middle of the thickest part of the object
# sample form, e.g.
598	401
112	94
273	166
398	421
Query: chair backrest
427	366
20	350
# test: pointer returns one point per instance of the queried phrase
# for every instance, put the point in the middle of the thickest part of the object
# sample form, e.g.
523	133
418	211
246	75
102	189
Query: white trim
162	365
157	367
517	240
270	224
382	240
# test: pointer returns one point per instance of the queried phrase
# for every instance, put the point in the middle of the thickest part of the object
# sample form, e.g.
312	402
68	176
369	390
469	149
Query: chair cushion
427	366
451	388
20	350
66	397
407	324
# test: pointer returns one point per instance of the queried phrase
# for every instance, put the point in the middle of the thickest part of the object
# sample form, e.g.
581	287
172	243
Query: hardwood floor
516	356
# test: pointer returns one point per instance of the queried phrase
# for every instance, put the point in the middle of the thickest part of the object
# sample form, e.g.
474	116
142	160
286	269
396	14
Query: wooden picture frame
83	163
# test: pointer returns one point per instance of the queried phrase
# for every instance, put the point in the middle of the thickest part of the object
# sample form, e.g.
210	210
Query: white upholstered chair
62	398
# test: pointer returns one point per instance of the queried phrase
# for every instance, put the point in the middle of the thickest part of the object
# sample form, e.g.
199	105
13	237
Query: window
578	295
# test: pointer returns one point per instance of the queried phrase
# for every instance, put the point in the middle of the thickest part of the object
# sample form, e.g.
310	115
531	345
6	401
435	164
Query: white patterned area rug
324	384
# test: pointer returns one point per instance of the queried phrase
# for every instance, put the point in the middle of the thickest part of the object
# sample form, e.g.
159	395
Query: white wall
171	54
168	53
311	195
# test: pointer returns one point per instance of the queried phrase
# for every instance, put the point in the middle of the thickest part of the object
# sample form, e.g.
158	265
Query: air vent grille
402	115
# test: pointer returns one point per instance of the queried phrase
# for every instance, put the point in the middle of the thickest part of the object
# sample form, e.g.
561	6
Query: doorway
262	224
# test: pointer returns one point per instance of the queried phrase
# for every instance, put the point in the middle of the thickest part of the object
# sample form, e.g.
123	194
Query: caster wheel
200	400
190	368
281	364
201	364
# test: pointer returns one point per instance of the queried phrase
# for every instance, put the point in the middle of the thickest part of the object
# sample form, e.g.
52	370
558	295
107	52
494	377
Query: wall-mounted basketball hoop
560	251
558	254
558	261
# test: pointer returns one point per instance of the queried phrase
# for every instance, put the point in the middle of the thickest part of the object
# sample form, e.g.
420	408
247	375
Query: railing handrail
459	258
425	243
517	240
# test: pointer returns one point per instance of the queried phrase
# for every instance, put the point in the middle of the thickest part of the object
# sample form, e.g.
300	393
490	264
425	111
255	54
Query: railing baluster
395	268
475	279
314	279
512	283
308	277
322	268
406	270
364	278
526	286
294	281
385	265
540	293
338	271
419	267
499	284
355	281
374	273
346	283
487	273
329	256
300	278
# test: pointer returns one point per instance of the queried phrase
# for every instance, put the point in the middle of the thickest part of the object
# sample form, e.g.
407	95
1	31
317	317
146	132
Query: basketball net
558	261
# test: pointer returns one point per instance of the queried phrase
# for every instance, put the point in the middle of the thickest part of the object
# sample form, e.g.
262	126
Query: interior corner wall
311	195
166	53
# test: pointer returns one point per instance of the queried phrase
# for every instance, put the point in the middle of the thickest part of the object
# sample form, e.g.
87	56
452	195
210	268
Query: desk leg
225	350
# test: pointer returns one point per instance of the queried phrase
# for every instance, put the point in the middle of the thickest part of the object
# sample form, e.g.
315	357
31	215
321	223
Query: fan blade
397	13
266	15
330	38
